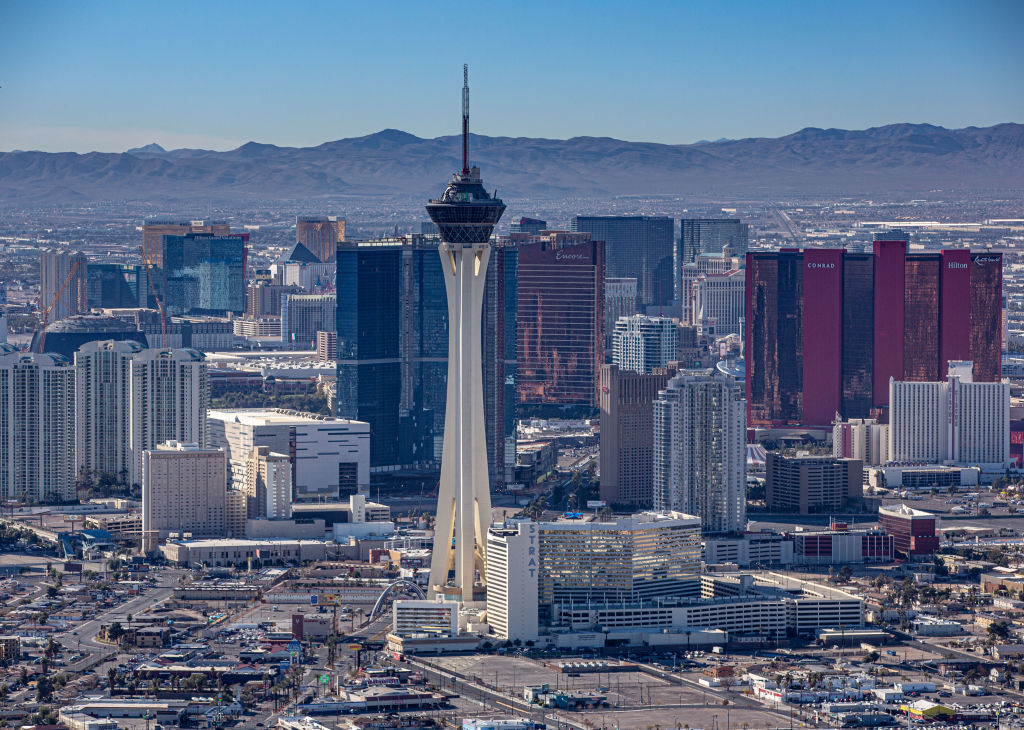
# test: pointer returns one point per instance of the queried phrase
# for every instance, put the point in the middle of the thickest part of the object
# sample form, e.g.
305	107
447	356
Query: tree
998	630
871	657
115	631
111	677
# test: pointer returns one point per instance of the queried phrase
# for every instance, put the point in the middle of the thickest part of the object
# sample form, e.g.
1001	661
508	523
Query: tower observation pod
465	215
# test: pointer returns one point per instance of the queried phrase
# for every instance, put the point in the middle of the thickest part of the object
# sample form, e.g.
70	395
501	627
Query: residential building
813	484
320	234
913	530
103	409
303	315
639	247
627	433
700	449
826	329
183	491
269	484
709	235
55	276
204	274
641	343
619	301
37	427
560	320
330	457
512	573
169	394
861	438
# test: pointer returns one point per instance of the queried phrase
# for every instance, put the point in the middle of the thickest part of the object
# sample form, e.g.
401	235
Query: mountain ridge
887	159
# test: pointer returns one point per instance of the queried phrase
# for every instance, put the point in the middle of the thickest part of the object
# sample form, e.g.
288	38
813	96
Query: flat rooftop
268	416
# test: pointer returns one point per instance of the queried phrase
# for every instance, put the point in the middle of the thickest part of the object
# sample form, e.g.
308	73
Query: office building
103	409
183	492
826	328
153	232
700	453
639	247
512	571
619	301
269	484
709	235
642	556
303	315
627	433
264	299
560	323
330	457
813	484
955	421
861	438
529	226
37	427
641	343
718	302
56	277
465	215
169	395
204	274
913	530
320	234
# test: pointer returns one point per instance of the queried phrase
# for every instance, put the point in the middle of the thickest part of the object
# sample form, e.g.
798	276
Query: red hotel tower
826	328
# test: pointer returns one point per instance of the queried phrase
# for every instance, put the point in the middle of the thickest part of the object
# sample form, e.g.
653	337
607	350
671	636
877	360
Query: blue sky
112	75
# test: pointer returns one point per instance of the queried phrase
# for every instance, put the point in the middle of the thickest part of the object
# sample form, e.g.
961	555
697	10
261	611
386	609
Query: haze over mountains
894	159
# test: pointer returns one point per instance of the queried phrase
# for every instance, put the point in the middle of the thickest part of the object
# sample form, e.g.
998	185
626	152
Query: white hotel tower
465	216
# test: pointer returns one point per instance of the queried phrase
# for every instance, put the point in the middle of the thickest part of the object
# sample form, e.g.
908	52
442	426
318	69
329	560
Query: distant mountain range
894	159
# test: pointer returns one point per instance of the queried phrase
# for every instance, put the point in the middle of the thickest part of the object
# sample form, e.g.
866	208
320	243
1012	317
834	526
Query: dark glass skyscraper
392	367
639	247
204	274
710	235
826	329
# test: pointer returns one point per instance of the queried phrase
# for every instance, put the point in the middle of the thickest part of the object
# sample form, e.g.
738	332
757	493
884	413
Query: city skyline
753	71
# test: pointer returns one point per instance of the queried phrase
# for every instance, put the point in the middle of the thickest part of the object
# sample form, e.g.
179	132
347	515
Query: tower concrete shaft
464	499
465	216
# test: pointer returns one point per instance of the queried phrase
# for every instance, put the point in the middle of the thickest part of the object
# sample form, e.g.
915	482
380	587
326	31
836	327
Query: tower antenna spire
465	119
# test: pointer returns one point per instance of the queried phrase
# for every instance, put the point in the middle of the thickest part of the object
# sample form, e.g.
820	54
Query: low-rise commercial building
239	552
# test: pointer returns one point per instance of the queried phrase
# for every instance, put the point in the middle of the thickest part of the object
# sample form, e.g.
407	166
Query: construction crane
159	302
46	312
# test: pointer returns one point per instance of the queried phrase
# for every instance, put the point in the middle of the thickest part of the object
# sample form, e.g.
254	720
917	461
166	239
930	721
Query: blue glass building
204	274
